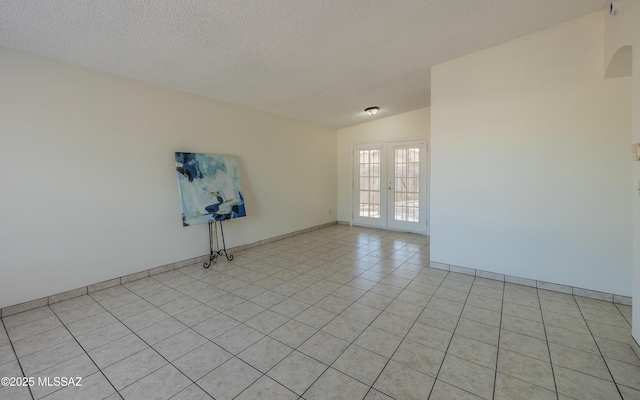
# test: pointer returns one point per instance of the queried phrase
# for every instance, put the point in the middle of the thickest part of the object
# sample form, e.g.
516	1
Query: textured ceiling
320	61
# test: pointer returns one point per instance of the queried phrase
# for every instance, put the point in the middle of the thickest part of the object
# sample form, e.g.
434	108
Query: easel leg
213	236
224	246
214	245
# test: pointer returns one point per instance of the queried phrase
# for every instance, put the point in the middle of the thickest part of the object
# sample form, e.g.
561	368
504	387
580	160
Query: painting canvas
209	187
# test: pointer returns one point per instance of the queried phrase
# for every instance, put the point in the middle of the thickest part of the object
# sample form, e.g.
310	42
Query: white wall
530	161
89	188
407	126
623	30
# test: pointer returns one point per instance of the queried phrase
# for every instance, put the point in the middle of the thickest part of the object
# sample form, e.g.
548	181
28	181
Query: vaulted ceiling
320	61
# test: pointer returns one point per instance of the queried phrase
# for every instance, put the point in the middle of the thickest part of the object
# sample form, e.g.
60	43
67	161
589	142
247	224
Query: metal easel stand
213	243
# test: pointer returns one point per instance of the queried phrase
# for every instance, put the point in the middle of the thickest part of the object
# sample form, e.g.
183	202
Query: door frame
426	172
355	197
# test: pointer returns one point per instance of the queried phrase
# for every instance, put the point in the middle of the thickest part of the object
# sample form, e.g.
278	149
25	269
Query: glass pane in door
369	188
407	184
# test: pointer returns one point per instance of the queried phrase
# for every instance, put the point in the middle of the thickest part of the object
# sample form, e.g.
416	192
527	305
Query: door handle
390	188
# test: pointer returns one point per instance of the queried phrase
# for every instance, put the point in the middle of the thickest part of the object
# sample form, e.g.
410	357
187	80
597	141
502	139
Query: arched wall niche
620	64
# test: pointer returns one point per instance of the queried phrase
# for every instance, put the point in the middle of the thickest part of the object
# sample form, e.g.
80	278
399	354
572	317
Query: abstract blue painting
209	187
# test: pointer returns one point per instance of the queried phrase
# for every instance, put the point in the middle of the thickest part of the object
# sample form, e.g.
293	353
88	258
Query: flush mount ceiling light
372	110
613	6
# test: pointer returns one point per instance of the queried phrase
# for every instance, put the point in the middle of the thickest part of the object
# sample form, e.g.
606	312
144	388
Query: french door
390	185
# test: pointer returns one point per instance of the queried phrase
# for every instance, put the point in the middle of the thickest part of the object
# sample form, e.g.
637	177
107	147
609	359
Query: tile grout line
452	335
598	347
353	341
318	330
136	314
337	315
288	263
132	332
546	339
531	337
174	266
495	377
185	294
16	355
483	323
85	351
145	342
233	356
403	338
423	268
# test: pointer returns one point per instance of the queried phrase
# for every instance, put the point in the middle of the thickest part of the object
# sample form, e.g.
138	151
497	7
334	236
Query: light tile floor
337	313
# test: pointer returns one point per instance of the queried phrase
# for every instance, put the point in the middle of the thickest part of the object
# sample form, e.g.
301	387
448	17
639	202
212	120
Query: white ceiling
320	61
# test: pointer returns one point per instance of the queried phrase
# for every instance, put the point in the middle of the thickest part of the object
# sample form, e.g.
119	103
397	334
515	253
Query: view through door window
407	184
370	183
